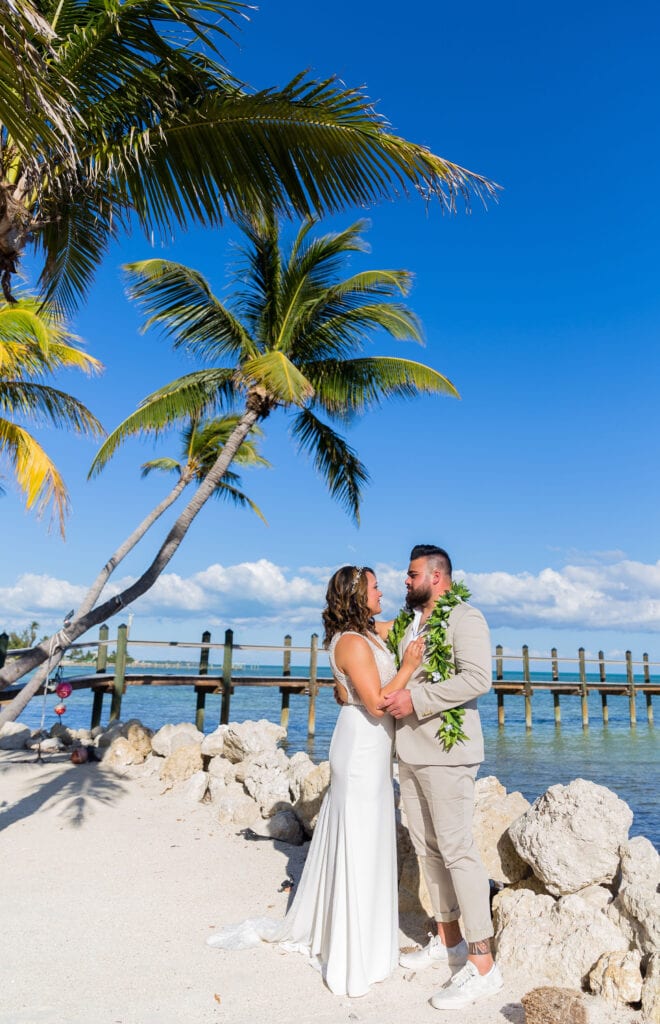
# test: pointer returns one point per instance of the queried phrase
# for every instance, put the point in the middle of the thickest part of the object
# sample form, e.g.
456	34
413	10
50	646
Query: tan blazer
416	740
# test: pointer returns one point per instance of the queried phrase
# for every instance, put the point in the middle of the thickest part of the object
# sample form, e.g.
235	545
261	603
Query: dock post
226	676
4	644
528	687
631	689
584	693
648	695
313	684
101	666
555	679
284	690
499	674
603	678
119	684
200	691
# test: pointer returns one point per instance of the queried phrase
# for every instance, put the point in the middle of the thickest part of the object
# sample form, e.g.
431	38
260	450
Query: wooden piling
313	683
4	644
499	674
649	696
632	702
101	666
603	678
584	693
284	690
200	691
528	687
555	679
226	676
119	683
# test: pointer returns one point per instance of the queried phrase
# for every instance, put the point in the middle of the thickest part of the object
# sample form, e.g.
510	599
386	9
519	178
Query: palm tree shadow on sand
69	791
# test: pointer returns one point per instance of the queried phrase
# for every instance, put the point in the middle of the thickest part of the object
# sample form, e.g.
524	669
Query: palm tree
201	442
115	111
34	343
292	341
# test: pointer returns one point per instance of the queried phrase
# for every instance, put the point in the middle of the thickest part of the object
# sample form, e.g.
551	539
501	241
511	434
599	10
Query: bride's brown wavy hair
346	607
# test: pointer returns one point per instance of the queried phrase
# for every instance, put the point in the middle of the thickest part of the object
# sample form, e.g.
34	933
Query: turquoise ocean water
625	759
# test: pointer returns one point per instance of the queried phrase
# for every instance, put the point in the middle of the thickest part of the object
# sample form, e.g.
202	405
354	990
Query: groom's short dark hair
438	556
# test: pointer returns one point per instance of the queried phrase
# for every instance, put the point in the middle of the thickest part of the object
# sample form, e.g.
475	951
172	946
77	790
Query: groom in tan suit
437	785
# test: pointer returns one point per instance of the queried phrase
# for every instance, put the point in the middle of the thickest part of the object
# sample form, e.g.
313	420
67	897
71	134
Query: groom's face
418	583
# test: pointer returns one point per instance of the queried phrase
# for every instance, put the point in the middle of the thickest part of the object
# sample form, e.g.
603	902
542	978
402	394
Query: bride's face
373	594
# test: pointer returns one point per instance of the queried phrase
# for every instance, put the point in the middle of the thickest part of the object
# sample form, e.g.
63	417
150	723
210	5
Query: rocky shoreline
576	903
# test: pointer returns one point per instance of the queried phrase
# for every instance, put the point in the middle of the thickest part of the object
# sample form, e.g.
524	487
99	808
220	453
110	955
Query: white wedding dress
344	917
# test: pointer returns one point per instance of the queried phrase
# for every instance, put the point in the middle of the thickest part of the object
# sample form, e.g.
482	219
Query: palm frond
334	459
179	300
48	404
278	377
36	474
348	387
186	397
226	492
163	465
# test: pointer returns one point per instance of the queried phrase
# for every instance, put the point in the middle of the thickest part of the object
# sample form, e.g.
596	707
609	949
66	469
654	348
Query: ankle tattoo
481	948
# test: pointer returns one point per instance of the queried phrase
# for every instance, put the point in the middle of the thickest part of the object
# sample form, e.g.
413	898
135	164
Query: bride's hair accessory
357	573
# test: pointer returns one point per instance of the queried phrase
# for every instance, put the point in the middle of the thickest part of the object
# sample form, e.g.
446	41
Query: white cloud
261	596
623	595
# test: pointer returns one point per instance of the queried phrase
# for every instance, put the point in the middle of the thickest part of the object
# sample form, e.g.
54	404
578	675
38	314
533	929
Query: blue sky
544	310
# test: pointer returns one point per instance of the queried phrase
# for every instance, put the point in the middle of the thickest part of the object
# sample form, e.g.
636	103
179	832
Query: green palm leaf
278	377
348	387
335	460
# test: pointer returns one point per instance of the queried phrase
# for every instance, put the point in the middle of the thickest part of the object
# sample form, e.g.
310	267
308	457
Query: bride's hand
414	653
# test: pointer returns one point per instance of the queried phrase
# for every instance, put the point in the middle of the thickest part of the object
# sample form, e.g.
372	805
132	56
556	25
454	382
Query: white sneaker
466	987
434	953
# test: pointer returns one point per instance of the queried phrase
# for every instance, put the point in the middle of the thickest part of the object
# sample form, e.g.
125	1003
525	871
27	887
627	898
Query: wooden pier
114	684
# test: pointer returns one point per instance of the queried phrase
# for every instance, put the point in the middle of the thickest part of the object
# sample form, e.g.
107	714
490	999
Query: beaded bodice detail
383	658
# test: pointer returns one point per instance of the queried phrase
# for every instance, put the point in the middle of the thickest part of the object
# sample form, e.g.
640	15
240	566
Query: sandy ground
110	887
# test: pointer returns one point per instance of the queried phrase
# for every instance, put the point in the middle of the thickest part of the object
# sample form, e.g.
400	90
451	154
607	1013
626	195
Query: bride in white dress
344	917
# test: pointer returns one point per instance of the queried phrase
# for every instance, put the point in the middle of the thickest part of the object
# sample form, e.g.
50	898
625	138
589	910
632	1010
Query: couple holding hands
414	681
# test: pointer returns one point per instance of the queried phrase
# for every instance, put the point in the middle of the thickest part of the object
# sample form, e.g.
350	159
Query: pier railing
627	678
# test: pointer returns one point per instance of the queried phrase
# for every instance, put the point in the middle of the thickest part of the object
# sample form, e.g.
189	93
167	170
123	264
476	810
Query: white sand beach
111	887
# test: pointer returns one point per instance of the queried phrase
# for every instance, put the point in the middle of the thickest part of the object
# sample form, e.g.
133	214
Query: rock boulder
571	836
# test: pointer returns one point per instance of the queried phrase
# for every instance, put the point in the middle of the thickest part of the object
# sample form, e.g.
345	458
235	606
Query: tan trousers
439	803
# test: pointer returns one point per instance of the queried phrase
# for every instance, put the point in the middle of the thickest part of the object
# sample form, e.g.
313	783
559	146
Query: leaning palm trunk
11	712
49	648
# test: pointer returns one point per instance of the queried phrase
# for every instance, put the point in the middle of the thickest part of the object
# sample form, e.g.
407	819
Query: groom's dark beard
417	597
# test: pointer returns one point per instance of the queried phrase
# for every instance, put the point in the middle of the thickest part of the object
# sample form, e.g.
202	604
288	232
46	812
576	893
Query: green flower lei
438	664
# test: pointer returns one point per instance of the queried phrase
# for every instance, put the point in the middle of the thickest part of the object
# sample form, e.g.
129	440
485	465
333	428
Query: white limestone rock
139	738
312	790
213	744
554	942
120	755
246	738
182	764
173	737
571	836
14	736
300	765
494	812
236	808
265	777
220	768
196	787
48	745
617	977
636	908
651	991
